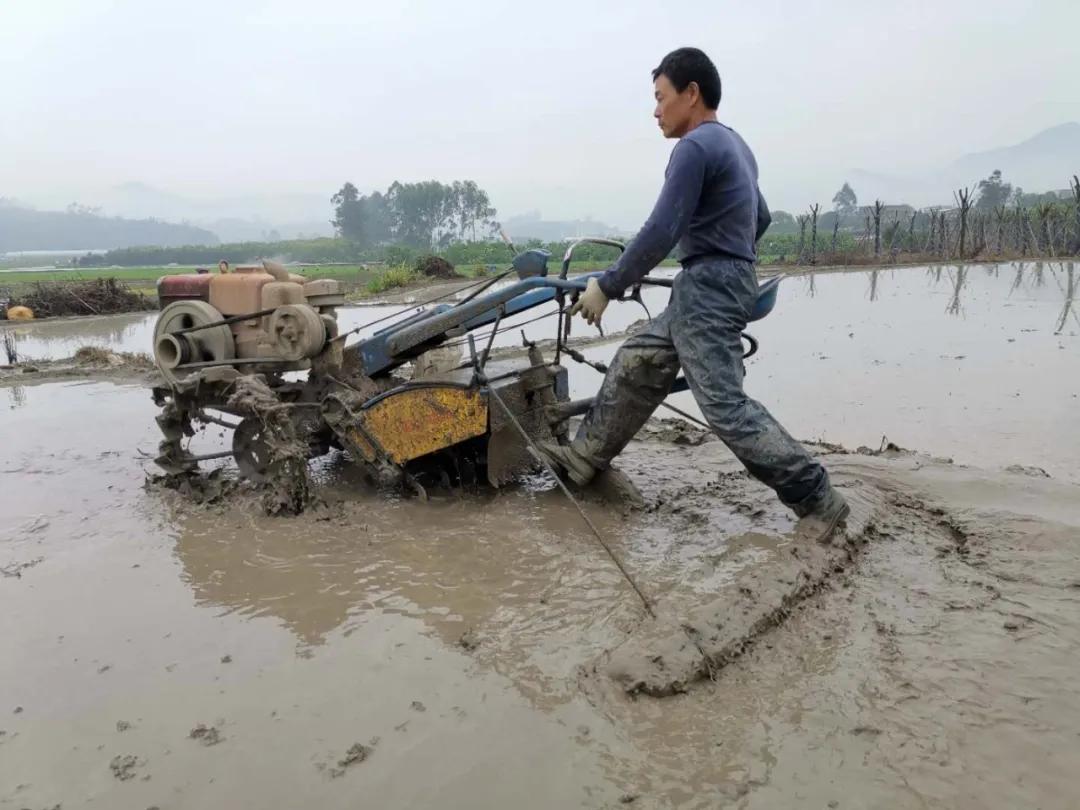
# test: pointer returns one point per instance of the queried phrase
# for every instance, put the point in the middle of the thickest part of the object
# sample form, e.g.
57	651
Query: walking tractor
258	350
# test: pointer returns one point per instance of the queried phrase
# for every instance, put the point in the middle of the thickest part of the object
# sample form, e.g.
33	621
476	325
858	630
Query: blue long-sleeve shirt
710	205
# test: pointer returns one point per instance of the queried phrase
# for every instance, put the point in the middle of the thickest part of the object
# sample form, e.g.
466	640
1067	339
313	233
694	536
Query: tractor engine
267	320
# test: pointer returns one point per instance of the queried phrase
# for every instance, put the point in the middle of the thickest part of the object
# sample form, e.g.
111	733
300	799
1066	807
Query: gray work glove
591	303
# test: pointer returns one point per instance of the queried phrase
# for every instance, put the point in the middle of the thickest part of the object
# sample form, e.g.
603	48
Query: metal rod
685	415
517	372
238	361
568	256
209	456
559	329
577	407
566	410
506	328
490	282
420	332
206	417
491	337
422	304
596	532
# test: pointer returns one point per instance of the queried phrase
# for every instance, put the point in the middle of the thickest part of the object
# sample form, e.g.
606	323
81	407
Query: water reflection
17	395
958	280
453	562
1039	276
52	339
1018	278
1068	289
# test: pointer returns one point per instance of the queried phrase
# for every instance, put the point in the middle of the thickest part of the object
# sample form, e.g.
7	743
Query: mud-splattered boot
565	459
828	515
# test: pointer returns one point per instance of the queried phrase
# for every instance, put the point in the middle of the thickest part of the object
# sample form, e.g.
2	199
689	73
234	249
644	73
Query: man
711	208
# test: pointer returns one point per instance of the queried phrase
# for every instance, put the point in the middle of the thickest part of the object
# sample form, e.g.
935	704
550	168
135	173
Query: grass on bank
358	281
394	277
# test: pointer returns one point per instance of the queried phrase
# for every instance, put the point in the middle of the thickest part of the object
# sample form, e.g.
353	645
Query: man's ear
694	89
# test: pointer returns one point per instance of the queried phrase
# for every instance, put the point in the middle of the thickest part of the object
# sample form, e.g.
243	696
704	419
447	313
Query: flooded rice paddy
459	653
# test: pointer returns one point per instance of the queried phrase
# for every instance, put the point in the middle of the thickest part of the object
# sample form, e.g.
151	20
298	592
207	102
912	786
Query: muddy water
463	642
980	364
466	642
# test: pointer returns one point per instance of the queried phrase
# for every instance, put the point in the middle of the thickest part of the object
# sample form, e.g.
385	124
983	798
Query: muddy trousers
699	331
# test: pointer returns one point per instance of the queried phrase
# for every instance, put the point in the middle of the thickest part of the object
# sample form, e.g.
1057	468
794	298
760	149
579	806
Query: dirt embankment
88	362
100	296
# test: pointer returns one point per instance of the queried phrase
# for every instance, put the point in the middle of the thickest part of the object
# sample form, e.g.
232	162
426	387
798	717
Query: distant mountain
81	229
234	217
914	189
1043	162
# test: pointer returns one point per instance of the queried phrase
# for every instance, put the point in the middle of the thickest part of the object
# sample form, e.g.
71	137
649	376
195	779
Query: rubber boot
822	521
569	462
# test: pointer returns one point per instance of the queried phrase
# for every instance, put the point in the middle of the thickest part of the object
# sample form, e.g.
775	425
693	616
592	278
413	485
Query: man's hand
591	304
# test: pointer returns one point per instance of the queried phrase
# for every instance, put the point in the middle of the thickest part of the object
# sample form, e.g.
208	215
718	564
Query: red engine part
193	287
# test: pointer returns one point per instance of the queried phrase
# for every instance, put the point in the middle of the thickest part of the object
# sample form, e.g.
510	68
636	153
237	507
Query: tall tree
348	214
963	202
378	221
993	192
875	212
476	206
426	215
845	201
364	220
420	212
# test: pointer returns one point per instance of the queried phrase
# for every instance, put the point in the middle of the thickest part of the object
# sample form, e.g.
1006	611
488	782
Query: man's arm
764	218
669	220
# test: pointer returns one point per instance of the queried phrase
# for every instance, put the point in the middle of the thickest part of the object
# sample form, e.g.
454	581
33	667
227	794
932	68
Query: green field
358	280
151	274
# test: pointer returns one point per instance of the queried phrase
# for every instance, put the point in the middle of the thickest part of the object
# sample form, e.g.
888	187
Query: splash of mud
203	489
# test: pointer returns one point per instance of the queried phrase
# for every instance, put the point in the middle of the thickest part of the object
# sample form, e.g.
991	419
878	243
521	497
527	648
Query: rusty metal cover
420	420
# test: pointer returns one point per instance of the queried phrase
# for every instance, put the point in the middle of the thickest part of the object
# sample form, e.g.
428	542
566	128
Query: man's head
687	89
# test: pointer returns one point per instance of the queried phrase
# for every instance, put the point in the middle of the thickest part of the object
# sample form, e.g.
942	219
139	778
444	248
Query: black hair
686	65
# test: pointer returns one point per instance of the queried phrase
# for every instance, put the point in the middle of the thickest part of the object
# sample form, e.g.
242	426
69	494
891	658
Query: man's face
673	109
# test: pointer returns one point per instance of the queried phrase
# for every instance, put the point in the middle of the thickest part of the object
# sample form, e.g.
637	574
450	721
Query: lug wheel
250	450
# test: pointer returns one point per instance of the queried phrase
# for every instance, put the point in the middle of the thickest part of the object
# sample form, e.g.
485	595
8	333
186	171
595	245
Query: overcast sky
547	104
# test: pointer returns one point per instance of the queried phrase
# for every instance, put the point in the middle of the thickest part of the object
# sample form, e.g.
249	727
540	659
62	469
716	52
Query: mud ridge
89	362
659	660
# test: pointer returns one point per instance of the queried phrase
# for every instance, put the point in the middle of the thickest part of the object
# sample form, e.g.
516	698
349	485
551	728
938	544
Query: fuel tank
188	287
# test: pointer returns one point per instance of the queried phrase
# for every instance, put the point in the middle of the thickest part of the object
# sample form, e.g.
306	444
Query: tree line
990	220
429	214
